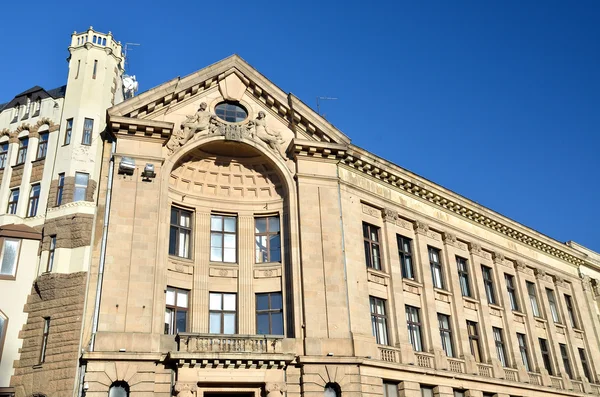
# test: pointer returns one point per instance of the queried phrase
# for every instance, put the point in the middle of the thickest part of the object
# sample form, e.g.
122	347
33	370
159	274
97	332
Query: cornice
318	150
139	128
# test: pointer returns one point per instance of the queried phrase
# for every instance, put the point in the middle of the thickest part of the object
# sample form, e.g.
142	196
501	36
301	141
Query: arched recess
194	150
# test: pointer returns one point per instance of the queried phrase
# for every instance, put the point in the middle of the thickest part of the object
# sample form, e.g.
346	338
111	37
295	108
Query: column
246	300
201	290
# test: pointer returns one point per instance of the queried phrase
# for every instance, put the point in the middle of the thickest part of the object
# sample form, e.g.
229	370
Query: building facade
240	245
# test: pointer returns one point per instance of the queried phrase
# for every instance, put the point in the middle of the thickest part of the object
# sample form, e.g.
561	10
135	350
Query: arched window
332	390
119	389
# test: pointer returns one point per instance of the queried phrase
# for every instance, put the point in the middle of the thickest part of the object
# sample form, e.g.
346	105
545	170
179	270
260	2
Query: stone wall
16	175
37	170
68	191
71	231
61	298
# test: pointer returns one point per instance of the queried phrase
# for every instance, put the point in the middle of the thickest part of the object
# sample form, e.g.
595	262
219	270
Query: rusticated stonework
37	170
17	175
71	231
59	297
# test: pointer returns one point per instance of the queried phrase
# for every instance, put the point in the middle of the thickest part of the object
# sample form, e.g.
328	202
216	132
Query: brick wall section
60	297
17	175
52	194
37	170
91	190
71	231
69	190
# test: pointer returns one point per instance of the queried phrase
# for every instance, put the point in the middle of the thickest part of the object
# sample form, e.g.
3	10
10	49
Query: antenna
323	98
126	49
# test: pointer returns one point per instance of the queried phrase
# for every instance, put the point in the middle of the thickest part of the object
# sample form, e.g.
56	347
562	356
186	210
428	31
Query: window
10	252
180	233
231	112
68	131
118	389
81	185
571	311
268	239
488	281
77	72
546	355
372	249
446	334
37	107
88	126
552	303
45	339
16	113
405	254
436	267
3	328
564	354
223	239
269	314
390	389
379	320
582	357
521	339
22	154
51	250
176	311
13	201
533	299
499	340
332	390
3	155
60	187
222	313
27	109
512	291
427	391
34	199
463	276
42	146
414	327
473	331
95	69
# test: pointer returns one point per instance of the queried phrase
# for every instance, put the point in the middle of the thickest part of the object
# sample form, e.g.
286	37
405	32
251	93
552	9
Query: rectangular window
34	199
222	313
473	331
3	155
88	126
446	334
223	238
512	291
533	299
77	72
379	320
95	69
3	328
42	146
176	311
405	255
45	339
372	249
584	365
522	340
81	185
268	239
60	187
68	131
51	250
10	252
436	267
269	314
463	276
571	311
22	154
546	355
180	233
552	304
13	201
390	389
500	350
488	281
564	354
413	323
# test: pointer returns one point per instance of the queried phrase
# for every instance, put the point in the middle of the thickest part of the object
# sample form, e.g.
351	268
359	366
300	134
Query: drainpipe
344	249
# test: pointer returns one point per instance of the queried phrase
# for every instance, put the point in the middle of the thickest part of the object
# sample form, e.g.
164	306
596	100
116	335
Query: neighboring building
238	244
50	160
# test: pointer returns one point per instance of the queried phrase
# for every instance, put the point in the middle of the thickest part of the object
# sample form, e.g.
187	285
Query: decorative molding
222	272
367	209
449	238
377	278
586	282
498	257
475	249
434	235
541	275
389	215
267	273
421	228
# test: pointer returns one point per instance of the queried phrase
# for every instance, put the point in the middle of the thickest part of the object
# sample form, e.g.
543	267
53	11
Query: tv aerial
323	98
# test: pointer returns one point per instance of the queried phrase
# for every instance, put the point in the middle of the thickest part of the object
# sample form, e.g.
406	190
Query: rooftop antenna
323	98
126	50
130	84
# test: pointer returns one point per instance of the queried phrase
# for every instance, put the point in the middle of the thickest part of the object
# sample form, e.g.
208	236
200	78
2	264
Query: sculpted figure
199	123
270	137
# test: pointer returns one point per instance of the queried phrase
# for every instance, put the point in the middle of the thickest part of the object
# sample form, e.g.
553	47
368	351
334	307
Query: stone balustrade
211	343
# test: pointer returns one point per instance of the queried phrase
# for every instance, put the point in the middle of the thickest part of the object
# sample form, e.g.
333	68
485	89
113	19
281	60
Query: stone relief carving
389	215
204	123
275	389
449	238
421	228
475	248
185	389
498	257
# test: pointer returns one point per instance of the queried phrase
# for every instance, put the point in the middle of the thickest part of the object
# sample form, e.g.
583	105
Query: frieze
495	312
222	272
367	209
404	224
180	267
442	297
376	278
541	275
267	273
434	235
560	282
411	288
470	305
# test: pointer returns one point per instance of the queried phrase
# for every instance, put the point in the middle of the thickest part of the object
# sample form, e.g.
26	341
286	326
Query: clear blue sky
496	100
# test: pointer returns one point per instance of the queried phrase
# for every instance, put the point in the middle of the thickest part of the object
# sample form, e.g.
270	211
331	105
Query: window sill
442	291
38	160
6	277
18	165
495	306
518	313
560	325
267	264
175	258
470	299
412	282
223	264
380	273
540	319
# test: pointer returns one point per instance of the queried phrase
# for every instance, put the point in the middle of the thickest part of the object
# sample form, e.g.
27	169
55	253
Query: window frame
86	137
42	145
4	149
373	255
463	276
488	283
552	306
406	257
387	385
446	334
571	311
379	319
584	364
513	296
175	308
546	357
415	332
268	234
60	185
13	205
222	312
223	233
34	201
524	351
270	312
498	335
564	355
81	187
15	266
474	339
3	331
533	301
22	152
225	112
45	335
51	253
436	266
178	229
68	132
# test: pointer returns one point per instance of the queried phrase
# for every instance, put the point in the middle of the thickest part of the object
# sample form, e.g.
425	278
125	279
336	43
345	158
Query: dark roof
58	92
20	231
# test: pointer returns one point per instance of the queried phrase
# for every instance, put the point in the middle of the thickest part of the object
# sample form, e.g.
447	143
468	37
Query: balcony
484	370
211	343
535	379
557	382
456	365
511	374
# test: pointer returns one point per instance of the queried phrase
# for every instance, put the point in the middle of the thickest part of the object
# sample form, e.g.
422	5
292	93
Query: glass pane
262	301
9	257
275	242
81	179
261	249
262	324
230	224
79	194
117	391
229	301
216	254
181	321
215	323
274	224
215	302
229	255
228	323
185	219
276	301
229	241
184	243
260	225
170	297
182	299
275	255
168	321
216	223
277	323
216	240
173	241
173	216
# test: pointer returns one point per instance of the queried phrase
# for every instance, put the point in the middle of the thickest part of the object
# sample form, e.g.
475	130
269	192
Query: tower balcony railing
217	343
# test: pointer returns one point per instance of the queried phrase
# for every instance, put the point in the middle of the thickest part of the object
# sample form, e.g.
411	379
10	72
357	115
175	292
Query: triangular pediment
231	78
